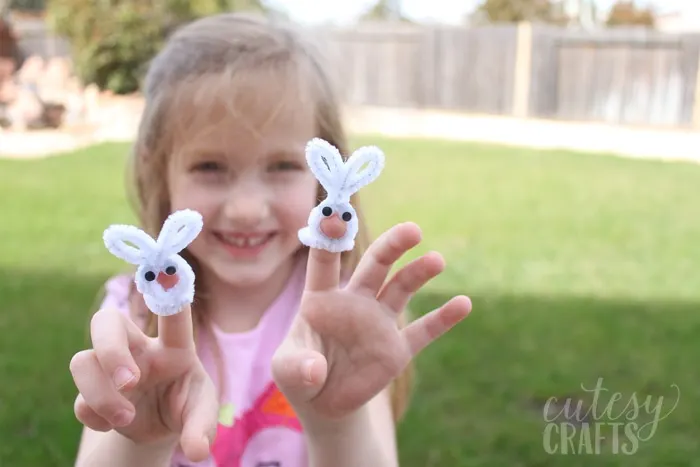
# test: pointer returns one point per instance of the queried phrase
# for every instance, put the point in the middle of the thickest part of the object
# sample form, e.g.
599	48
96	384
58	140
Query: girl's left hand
344	346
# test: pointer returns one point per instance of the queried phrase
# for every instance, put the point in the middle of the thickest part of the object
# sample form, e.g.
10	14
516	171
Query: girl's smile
244	245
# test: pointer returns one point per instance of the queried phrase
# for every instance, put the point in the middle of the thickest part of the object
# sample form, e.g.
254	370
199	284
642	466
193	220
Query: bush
112	41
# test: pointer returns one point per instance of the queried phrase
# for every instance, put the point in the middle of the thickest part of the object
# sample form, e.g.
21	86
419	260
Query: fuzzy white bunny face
333	224
163	276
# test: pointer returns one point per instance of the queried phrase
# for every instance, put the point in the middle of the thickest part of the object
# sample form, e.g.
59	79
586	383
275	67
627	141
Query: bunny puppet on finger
333	224
163	277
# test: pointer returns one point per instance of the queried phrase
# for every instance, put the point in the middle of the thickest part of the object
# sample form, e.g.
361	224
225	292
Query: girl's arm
98	449
366	437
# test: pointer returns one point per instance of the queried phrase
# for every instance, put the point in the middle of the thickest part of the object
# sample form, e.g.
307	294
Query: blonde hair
228	45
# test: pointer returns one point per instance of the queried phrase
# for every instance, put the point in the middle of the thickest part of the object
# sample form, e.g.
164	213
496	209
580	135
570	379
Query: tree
385	10
113	41
627	13
517	10
246	5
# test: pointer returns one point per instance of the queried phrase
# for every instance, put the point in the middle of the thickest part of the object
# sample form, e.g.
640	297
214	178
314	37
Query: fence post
523	69
696	96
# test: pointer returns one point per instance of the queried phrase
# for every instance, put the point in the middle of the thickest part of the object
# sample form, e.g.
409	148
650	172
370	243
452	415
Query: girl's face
247	176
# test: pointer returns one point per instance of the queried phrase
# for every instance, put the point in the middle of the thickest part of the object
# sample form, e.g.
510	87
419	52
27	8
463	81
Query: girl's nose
247	206
333	226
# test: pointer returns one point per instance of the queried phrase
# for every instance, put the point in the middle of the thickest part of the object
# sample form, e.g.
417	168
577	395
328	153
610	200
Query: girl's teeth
245	242
256	241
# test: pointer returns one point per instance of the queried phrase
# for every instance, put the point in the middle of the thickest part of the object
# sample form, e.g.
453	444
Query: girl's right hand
150	390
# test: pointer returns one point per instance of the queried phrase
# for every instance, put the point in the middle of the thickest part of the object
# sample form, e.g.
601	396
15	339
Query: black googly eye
150	276
347	216
170	270
327	211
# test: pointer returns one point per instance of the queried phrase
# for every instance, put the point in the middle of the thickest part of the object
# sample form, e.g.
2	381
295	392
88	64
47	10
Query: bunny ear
178	231
116	237
363	167
325	162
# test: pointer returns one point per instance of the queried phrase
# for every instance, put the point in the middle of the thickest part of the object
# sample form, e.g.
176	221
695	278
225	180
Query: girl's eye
284	166
208	166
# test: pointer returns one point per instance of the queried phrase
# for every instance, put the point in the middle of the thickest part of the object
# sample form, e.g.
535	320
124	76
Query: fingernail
307	366
122	377
123	417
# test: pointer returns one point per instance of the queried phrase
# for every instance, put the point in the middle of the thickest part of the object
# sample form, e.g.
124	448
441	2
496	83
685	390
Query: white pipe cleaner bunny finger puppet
163	277
333	224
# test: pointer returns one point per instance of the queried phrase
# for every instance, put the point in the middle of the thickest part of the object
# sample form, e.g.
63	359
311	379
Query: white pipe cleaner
163	276
333	224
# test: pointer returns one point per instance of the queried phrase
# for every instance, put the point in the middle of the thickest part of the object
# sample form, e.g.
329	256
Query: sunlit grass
579	266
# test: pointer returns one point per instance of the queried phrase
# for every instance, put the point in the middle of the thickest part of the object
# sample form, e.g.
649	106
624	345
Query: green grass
580	267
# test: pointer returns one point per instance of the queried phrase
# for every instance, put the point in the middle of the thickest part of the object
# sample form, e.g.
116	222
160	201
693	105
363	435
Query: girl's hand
344	346
170	397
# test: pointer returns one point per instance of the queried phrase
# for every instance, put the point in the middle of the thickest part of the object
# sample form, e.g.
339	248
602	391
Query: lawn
580	267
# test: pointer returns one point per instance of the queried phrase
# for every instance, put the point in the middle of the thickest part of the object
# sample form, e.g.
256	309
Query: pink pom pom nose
166	281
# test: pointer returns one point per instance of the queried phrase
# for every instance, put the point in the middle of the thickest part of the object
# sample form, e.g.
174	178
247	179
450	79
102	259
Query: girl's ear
363	167
325	163
116	237
179	230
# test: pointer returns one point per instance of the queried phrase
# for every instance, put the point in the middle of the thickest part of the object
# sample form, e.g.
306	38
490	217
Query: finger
114	337
299	373
200	420
322	270
98	390
408	280
381	255
89	417
426	329
176	331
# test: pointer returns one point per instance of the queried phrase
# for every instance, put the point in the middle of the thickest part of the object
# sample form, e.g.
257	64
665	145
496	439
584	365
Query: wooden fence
627	76
36	39
620	76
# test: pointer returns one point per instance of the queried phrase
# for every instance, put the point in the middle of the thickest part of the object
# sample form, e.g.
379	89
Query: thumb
200	420
299	373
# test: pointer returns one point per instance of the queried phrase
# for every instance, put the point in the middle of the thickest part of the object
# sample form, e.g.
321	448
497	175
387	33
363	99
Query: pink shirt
257	427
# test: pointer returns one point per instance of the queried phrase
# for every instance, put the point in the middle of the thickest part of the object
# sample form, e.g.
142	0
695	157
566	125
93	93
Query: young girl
289	356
